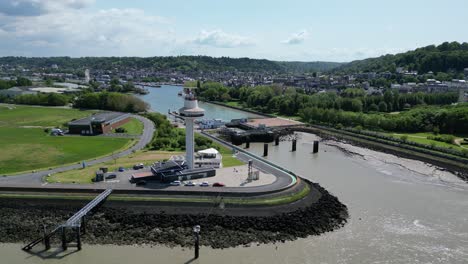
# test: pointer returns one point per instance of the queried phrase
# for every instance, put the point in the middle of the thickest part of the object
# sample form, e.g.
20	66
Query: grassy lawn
133	127
422	138
26	147
270	201
228	159
233	103
20	115
85	175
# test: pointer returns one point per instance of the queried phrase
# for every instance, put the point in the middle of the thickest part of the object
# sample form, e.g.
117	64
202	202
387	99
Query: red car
218	184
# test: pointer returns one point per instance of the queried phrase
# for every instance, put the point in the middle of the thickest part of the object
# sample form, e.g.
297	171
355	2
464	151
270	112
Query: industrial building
100	123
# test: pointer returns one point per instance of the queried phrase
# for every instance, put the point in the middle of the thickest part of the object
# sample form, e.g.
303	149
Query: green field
422	138
26	147
133	127
228	159
87	174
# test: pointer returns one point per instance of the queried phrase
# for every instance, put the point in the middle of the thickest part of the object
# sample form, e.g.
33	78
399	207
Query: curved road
36	177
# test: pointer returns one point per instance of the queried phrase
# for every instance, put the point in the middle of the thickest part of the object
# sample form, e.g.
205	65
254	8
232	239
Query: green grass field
133	127
26	147
422	138
18	115
87	174
228	159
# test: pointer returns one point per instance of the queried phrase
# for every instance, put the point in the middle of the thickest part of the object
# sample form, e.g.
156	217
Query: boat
180	93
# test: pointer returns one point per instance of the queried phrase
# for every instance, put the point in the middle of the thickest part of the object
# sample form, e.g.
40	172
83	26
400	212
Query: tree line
288	101
448	119
20	81
448	57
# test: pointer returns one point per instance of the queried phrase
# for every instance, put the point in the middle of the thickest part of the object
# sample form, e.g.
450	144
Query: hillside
179	63
447	57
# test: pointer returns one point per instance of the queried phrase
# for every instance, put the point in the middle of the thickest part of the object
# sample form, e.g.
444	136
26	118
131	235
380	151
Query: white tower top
191	108
190	112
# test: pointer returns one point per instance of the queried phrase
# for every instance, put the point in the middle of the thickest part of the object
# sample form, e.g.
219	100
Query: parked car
111	176
189	183
204	184
218	184
140	183
121	169
138	166
175	183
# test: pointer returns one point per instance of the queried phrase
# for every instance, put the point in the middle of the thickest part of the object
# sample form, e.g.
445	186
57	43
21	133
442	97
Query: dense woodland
449	57
179	63
352	107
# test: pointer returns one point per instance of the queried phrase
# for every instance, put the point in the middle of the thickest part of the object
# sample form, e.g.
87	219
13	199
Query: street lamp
196	231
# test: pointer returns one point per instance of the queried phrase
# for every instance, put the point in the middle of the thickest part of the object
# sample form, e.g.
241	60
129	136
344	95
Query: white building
208	158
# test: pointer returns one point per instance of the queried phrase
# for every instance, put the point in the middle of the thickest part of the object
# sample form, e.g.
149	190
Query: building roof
104	117
212	151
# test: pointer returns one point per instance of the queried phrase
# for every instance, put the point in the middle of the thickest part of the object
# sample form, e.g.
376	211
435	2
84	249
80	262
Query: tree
373	107
382	106
21	81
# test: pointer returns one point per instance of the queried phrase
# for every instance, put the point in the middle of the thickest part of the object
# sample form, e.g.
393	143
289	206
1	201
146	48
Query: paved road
36	178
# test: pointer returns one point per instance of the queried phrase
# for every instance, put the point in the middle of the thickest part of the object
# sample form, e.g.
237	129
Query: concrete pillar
247	144
316	146
265	150
197	245
64	238
78	238
276	141
189	141
46	239
294	142
83	224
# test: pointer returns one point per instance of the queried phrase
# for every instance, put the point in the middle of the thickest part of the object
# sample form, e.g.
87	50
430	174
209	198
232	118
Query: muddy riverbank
22	220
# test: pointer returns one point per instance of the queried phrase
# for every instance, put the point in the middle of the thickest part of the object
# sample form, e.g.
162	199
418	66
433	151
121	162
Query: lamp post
196	231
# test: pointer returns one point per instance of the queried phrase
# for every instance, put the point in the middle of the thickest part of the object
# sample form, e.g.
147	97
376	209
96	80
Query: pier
76	223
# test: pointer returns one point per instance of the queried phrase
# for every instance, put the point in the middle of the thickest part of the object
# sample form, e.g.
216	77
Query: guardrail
253	156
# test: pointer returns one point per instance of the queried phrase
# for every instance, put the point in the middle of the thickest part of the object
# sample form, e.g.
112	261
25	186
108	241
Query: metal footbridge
76	223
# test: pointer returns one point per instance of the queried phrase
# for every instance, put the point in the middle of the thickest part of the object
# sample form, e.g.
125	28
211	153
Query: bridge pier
78	237
46	239
83	225
64	238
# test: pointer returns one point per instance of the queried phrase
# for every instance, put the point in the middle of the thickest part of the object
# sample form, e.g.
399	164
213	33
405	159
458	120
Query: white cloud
221	39
296	38
39	7
81	32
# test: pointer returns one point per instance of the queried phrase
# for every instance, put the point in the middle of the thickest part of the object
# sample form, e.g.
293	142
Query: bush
120	130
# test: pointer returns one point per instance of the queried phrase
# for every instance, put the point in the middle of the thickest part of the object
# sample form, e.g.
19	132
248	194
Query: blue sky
279	30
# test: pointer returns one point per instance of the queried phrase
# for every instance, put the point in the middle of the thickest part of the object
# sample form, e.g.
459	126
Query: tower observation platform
190	112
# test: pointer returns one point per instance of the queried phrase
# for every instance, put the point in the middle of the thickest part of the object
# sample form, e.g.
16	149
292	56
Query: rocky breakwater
22	220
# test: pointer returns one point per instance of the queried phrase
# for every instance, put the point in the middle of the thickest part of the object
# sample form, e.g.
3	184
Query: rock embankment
22	221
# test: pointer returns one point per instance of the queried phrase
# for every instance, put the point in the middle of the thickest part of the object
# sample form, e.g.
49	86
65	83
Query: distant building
16	91
100	123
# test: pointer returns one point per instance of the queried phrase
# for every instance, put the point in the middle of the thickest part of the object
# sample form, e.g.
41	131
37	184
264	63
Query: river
401	211
166	98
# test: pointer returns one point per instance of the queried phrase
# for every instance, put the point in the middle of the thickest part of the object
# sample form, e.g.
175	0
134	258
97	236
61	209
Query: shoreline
122	224
460	170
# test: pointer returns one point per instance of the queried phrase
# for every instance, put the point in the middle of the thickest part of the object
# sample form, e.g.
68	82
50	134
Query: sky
293	30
